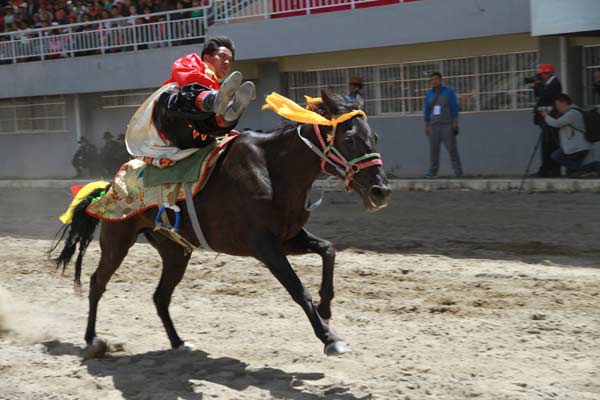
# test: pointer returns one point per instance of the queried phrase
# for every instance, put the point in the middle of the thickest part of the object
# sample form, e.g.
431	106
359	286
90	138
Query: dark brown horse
253	205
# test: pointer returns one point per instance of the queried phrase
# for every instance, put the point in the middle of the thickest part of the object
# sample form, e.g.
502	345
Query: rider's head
218	52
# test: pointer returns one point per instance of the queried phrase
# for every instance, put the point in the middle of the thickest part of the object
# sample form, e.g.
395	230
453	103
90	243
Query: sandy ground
444	295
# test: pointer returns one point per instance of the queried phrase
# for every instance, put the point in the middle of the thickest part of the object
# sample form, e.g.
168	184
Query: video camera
529	80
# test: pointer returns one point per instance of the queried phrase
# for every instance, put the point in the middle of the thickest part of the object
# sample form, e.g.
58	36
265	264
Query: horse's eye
349	139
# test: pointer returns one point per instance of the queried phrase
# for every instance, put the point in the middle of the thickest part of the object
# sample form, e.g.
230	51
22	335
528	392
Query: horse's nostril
380	192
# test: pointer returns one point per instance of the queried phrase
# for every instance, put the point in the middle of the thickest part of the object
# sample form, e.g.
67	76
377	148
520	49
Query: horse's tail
78	228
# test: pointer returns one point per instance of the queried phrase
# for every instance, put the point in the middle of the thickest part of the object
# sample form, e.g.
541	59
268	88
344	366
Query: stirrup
158	221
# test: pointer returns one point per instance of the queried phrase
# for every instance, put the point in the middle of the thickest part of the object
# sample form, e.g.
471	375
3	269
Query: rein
329	154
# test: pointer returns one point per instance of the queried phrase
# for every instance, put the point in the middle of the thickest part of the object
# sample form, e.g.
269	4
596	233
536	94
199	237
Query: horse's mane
319	107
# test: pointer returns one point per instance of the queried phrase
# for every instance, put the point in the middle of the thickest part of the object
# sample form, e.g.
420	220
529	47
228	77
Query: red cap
545	69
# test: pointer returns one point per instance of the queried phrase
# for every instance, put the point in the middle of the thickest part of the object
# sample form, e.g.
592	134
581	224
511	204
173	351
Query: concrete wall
555	17
109	72
40	155
392	25
490	143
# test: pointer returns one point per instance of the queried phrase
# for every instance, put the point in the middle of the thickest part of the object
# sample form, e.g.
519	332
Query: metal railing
132	33
163	29
233	10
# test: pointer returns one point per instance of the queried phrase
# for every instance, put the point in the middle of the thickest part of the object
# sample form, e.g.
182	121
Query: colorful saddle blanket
138	186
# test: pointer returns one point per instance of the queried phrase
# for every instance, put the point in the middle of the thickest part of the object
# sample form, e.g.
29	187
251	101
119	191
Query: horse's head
356	142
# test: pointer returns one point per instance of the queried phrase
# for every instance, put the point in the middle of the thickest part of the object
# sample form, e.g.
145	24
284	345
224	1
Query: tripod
535	149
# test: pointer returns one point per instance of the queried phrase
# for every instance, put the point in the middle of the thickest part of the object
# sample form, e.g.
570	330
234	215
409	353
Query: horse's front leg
270	252
305	242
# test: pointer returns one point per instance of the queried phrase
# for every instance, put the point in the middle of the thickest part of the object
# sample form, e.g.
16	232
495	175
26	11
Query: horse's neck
297	167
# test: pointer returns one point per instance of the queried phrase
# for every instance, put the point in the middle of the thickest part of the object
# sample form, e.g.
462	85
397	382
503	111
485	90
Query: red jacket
191	69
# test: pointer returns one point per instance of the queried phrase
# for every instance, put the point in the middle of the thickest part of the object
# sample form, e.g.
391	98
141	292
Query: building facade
484	49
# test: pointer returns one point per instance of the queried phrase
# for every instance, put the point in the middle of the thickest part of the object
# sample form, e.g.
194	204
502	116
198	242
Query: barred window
591	63
125	98
33	115
483	83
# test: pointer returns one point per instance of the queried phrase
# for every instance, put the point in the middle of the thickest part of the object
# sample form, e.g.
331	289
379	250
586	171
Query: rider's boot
239	103
217	101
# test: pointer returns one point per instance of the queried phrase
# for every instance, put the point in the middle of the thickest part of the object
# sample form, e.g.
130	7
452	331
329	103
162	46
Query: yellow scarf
290	110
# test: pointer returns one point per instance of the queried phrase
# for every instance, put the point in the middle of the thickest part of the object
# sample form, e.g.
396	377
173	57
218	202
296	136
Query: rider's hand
427	129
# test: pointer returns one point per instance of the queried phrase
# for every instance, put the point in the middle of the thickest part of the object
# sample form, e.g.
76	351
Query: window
484	83
125	98
33	115
591	63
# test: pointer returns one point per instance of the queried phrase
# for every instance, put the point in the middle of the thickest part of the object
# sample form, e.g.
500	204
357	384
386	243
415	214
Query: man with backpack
574	146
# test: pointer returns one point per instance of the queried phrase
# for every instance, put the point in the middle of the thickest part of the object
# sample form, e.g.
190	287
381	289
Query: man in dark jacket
547	90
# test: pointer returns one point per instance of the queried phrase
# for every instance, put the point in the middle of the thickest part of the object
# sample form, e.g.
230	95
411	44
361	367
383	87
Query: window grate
124	98
43	114
591	63
482	83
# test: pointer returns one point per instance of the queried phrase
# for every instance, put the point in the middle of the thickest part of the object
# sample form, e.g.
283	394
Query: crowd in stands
21	18
17	15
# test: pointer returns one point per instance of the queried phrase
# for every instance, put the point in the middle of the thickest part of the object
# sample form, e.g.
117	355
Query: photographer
547	89
574	147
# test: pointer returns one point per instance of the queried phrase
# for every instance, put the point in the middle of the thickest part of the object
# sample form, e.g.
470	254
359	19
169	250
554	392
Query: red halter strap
351	167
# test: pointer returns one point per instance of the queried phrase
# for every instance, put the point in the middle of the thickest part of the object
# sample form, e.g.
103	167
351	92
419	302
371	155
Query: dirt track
492	296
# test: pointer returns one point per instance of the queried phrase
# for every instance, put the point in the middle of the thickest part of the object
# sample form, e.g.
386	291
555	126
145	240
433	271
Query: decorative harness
328	153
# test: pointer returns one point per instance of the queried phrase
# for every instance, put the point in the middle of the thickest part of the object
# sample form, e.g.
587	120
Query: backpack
591	121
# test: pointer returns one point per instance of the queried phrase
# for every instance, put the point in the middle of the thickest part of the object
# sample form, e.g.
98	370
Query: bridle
329	154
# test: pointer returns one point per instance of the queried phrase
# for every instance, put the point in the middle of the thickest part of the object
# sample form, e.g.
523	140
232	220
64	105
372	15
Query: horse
253	206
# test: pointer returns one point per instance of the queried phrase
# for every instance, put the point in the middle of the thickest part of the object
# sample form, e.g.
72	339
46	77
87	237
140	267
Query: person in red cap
199	101
547	89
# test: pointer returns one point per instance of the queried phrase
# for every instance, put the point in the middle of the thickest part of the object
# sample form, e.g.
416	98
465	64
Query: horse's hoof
186	347
337	348
97	349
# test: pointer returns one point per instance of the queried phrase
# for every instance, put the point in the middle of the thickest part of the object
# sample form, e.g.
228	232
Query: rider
196	104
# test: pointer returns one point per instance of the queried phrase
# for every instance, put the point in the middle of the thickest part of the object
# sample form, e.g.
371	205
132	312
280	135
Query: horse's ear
329	102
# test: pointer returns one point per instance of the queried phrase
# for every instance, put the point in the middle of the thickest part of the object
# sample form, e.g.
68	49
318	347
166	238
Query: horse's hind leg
115	240
175	262
305	242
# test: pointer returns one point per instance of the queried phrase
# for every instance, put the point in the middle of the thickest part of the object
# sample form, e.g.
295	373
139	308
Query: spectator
441	125
85	158
196	13
9	17
547	89
355	86
133	15
178	15
110	155
574	147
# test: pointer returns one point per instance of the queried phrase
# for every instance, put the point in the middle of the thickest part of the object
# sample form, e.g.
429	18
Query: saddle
138	187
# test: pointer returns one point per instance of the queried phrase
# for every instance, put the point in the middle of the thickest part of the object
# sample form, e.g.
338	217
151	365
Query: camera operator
574	147
547	89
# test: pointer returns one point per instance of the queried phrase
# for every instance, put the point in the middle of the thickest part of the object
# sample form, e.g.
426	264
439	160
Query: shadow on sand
188	374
